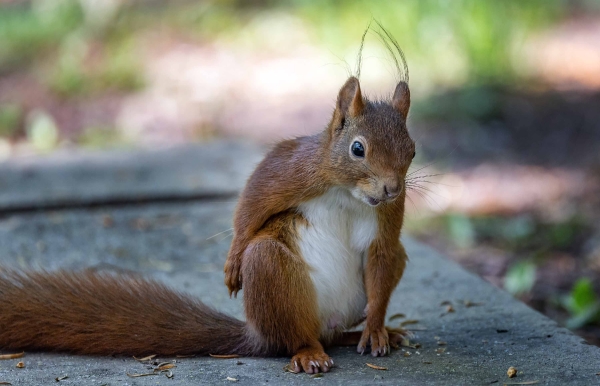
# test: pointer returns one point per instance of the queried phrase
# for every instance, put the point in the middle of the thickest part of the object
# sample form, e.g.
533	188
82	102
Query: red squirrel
316	248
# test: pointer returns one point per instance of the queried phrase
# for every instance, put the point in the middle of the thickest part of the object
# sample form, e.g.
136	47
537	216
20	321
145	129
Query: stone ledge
182	244
211	169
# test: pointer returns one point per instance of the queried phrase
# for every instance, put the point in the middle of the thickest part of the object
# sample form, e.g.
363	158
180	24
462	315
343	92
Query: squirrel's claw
233	277
377	339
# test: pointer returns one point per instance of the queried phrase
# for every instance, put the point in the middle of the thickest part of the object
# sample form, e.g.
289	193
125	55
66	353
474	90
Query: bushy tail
105	314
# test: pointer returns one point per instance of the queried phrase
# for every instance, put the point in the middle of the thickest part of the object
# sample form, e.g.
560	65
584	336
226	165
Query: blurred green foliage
29	31
521	234
10	114
520	278
102	137
449	42
583	304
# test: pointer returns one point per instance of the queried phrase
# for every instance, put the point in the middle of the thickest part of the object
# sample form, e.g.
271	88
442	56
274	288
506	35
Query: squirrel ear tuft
350	99
401	99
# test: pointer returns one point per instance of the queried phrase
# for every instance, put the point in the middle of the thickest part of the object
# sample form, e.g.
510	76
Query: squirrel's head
369	146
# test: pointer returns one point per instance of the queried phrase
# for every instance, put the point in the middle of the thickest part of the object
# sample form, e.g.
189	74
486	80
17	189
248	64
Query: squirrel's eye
357	149
414	154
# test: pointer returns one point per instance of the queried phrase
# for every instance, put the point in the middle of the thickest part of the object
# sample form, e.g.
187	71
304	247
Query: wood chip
407	322
12	356
441	343
229	356
58	379
232	379
145	359
141	375
512	372
376	367
396	316
20	365
521	383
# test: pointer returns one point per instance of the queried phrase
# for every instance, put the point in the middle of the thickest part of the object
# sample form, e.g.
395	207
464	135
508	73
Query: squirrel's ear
401	99
350	101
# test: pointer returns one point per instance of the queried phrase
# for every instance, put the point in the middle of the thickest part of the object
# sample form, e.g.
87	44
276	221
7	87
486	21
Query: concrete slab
181	244
214	168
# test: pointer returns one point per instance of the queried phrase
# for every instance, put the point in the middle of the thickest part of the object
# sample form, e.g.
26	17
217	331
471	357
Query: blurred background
506	108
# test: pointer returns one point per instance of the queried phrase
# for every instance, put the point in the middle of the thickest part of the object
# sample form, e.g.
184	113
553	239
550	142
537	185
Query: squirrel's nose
391	190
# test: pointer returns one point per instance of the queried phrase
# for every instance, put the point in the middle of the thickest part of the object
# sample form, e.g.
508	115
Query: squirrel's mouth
373	201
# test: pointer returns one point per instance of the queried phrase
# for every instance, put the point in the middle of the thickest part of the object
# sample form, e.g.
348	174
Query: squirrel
316	249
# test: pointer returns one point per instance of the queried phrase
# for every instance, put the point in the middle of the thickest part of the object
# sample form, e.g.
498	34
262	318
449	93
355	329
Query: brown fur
92	313
102	314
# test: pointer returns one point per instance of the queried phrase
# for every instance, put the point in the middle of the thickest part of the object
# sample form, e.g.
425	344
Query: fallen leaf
141	375
469	303
144	359
512	372
406	343
12	356
224	356
317	375
441	343
521	383
5	383
58	379
232	379
288	369
407	322
440	350
164	367
107	221
406	354
376	367
396	316
20	365
449	309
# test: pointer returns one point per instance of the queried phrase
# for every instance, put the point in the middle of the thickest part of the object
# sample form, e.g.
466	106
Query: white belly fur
335	245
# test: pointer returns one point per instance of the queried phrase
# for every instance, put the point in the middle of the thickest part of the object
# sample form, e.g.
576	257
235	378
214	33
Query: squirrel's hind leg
280	301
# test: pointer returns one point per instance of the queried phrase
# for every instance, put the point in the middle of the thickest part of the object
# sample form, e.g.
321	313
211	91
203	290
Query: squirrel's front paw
233	277
378	340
